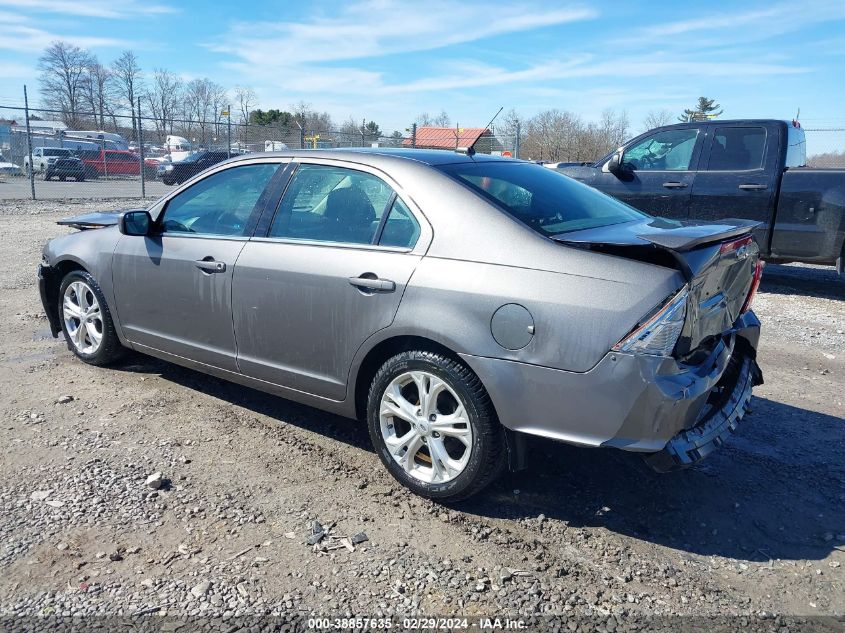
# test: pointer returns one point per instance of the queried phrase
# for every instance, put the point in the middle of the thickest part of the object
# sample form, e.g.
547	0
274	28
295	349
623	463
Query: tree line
88	93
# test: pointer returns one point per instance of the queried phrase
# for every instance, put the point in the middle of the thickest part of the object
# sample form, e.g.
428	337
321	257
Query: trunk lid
718	261
95	220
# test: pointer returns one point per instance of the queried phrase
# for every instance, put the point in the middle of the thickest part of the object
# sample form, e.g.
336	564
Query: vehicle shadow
333	426
775	490
810	281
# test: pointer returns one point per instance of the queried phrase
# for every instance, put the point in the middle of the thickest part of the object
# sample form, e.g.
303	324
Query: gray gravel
756	531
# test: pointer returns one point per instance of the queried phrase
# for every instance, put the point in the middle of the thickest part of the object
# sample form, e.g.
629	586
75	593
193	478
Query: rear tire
448	443
86	321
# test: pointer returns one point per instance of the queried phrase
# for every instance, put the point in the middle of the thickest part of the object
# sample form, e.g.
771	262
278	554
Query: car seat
350	215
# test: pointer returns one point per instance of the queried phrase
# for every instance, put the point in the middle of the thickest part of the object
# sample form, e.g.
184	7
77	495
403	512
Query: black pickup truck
751	169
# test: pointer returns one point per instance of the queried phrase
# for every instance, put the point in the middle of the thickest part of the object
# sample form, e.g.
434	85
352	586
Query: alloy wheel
83	317
425	427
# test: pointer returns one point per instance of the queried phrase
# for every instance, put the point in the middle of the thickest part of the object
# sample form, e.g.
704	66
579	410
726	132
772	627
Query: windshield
56	152
547	201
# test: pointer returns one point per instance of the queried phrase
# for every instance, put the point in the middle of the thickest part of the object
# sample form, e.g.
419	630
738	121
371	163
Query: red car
114	162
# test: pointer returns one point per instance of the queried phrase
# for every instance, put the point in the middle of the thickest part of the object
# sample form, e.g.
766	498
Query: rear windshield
547	201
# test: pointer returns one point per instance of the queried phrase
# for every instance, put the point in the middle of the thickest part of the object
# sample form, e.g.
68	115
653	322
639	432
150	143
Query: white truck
42	157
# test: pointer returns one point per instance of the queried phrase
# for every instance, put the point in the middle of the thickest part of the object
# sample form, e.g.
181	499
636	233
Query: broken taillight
659	333
735	245
755	283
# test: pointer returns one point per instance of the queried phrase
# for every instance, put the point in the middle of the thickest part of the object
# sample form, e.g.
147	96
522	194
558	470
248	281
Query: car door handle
374	284
753	187
211	266
675	185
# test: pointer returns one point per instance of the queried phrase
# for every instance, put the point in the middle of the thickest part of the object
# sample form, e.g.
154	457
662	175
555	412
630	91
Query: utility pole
140	138
516	141
229	131
413	135
29	143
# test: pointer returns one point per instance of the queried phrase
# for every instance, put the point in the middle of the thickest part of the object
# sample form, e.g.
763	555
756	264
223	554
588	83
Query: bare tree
424	119
312	120
98	92
612	132
198	106
657	118
350	133
555	135
128	84
164	96
246	98
62	69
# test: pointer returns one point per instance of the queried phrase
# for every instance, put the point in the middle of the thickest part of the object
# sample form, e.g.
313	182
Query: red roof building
452	138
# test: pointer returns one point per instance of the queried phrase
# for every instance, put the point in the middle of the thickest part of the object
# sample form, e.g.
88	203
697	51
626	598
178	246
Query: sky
388	61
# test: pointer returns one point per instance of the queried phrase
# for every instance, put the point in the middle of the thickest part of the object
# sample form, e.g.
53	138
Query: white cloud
386	27
113	9
755	24
23	38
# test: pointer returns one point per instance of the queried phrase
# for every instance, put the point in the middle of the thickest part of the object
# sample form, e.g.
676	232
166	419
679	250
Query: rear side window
737	149
545	200
401	228
332	204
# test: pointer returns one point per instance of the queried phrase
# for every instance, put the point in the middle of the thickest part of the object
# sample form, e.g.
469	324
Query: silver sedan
456	303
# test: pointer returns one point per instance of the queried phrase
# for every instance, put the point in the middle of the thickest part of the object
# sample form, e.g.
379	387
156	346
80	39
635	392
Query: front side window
670	150
332	204
220	204
737	149
545	200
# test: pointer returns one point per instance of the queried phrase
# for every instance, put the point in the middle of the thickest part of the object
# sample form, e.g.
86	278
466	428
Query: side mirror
614	165
134	223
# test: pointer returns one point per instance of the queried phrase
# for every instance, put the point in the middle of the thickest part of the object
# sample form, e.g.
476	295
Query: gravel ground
757	530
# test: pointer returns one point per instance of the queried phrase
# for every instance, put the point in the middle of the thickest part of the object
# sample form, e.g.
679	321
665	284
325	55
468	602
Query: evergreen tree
705	109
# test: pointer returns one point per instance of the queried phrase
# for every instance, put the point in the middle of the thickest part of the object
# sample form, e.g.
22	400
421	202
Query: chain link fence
119	156
825	147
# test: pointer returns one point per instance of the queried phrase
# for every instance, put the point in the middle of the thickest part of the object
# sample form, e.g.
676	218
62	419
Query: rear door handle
376	285
675	185
753	187
210	266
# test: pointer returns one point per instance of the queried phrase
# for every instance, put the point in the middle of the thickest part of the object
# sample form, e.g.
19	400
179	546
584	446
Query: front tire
434	427
86	320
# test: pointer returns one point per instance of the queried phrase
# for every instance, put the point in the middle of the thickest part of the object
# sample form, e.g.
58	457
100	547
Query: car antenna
470	151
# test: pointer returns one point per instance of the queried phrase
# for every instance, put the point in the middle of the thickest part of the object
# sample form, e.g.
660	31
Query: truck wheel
47	176
434	427
86	320
80	178
62	178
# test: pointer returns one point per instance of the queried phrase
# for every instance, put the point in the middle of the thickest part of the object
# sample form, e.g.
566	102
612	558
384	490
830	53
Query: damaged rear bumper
673	412
731	401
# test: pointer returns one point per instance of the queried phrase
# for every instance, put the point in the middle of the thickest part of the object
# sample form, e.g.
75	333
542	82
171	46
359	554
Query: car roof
373	155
